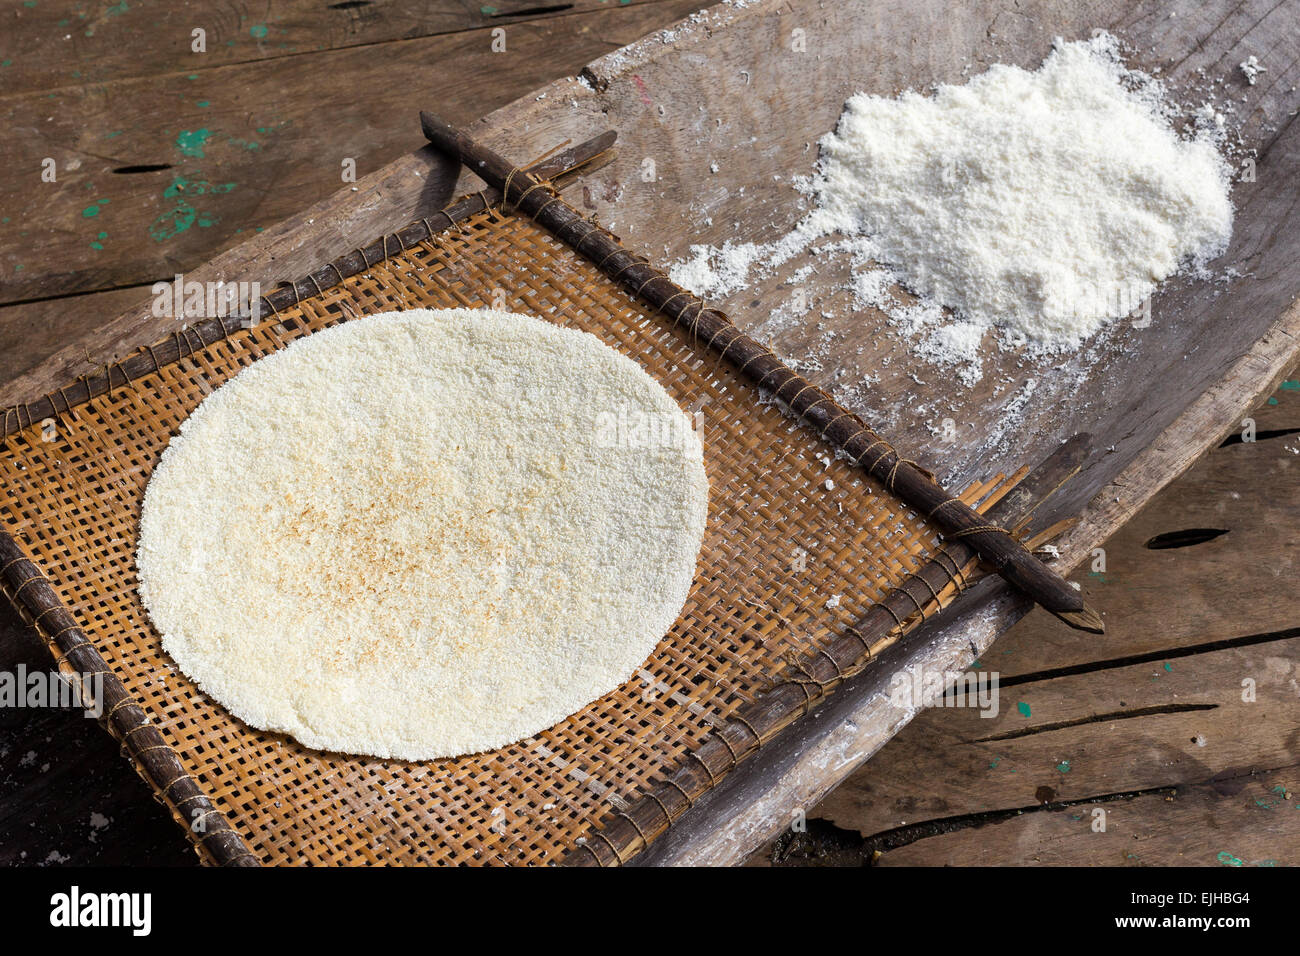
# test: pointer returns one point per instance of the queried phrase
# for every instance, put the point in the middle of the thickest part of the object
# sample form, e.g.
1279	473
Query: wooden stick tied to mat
621	835
913	484
36	600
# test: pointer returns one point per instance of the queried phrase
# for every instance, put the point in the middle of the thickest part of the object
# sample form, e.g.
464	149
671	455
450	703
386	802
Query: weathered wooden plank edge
755	803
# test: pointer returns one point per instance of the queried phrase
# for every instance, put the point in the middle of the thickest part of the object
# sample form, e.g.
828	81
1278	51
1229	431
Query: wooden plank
32	331
1135	624
1245	821
755	804
1230	587
48	45
1128	729
242	146
1219	602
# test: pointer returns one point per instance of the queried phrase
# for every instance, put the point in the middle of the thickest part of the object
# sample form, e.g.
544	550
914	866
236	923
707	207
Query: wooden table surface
1090	723
193	151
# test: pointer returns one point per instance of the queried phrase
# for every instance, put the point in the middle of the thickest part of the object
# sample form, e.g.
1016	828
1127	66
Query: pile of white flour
1041	204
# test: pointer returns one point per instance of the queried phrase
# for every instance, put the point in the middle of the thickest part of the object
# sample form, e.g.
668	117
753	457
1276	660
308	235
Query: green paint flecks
182	214
93	209
190	142
1023	708
117	9
487	11
98	242
258	30
993	764
1227	859
1063	766
1291	385
203	104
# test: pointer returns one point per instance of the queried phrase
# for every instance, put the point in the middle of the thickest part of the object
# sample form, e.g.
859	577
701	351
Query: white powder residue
718	271
1038	204
1251	68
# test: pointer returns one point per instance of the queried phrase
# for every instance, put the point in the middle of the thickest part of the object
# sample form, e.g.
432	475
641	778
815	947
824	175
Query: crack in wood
1262	435
1185	538
825	841
1191	650
1098	719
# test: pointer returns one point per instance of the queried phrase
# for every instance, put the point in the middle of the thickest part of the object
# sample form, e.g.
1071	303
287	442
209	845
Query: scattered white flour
1040	204
1252	68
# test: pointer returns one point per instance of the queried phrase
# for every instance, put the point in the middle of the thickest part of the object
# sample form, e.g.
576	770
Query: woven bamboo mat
781	544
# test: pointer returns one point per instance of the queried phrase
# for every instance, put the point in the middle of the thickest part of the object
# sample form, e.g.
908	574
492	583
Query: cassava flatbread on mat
423	534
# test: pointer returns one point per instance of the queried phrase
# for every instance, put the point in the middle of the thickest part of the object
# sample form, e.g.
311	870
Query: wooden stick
623	834
913	484
38	603
558	168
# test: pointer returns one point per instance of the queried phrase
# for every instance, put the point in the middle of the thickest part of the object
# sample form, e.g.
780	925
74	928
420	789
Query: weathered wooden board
927	780
1162	724
728	88
1245	822
34	330
48	45
156	173
1238	586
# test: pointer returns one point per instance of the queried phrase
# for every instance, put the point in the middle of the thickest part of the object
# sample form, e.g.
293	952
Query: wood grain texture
1229	587
33	330
1252	820
51	45
1141	727
1230	625
242	146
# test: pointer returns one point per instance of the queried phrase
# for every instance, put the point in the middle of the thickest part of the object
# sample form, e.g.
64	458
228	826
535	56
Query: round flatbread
423	534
